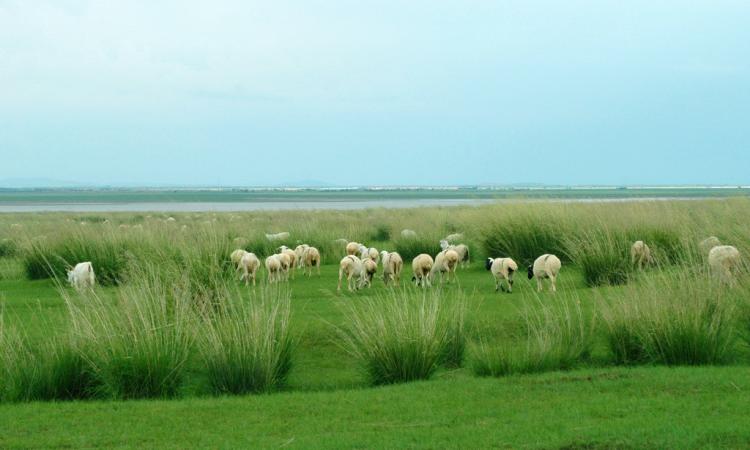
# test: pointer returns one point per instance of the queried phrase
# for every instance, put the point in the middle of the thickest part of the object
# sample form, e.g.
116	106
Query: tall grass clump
8	248
410	247
555	336
106	251
52	369
603	256
139	345
405	335
525	236
246	343
673	318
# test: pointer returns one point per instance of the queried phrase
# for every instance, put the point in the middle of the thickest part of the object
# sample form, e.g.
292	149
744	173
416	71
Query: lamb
370	267
249	263
392	265
352	248
707	244
502	269
273	266
546	266
445	262
352	267
421	267
407	233
640	254
461	249
724	261
311	258
284	235
82	276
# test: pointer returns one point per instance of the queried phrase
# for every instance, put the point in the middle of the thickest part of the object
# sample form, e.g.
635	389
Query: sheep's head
443	244
531	272
70	276
488	264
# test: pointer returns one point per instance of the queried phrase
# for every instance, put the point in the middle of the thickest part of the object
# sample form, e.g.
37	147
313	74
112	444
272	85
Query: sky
344	92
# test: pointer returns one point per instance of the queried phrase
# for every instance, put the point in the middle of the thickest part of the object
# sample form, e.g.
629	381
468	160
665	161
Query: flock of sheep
360	264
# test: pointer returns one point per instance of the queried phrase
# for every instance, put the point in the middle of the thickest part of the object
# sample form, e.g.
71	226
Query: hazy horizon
375	93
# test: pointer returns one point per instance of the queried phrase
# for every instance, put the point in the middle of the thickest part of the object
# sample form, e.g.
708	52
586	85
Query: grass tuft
405	335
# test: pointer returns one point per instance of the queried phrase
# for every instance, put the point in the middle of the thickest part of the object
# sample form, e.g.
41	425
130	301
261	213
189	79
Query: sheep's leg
338	288
553	283
497	284
538	284
254	279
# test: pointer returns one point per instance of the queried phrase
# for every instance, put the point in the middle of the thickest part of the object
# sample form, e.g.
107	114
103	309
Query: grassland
561	382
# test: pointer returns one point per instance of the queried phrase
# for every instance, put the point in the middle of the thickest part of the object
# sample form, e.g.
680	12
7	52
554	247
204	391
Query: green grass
604	408
149	339
405	335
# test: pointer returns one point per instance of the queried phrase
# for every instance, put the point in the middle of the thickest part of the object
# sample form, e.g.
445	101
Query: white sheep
370	268
546	266
311	258
707	244
171	219
236	256
421	266
352	267
273	266
286	263
640	254
82	276
284	235
461	249
724	261
371	252
299	251
292	256
445	263
392	266
249	263
352	248
407	233
502	269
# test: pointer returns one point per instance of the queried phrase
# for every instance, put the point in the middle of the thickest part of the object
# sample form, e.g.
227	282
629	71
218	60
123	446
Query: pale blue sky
376	92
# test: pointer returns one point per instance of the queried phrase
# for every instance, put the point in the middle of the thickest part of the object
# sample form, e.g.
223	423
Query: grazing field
618	357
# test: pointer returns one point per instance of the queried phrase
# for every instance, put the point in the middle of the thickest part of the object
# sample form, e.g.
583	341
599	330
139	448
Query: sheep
455	237
352	248
371	253
640	254
421	267
724	262
273	266
392	265
286	263
292	256
546	266
461	249
277	236
370	268
299	252
82	276
502	269
341	241
170	219
311	257
445	262
707	244
249	263
407	233
236	256
352	267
